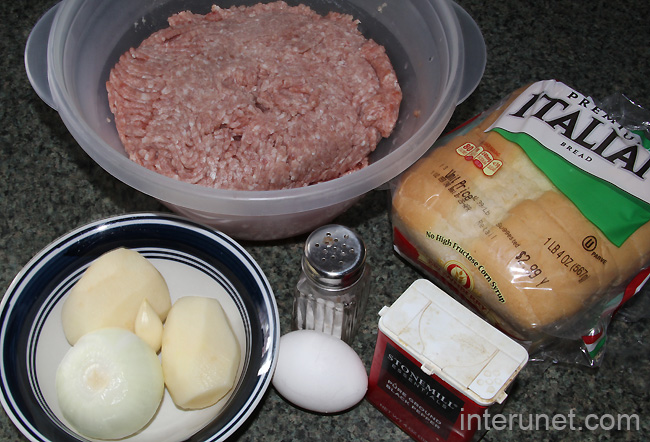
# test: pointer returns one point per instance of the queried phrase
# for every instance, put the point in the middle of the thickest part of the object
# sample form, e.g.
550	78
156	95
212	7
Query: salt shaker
333	287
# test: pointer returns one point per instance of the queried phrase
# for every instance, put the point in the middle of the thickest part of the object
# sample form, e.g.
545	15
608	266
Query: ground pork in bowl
428	43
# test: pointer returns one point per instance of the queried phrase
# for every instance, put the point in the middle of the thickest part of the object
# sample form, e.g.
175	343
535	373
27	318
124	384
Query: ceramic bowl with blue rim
194	260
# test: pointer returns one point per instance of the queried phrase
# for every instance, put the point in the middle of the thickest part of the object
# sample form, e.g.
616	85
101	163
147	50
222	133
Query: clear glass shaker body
333	288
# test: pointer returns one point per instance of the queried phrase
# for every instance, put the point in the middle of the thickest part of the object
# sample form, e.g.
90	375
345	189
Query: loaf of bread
499	233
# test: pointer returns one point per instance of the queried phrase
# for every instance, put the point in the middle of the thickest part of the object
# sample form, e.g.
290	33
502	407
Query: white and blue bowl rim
36	289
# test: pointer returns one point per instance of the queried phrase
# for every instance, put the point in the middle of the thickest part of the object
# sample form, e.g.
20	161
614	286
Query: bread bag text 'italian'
536	214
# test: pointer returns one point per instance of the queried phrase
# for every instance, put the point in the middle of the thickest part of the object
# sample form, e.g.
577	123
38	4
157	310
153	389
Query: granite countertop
49	186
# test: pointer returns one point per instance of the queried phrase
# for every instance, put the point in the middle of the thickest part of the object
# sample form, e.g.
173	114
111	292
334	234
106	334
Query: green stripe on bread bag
615	212
601	165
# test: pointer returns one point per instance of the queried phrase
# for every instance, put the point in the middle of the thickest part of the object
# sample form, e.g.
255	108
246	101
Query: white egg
319	372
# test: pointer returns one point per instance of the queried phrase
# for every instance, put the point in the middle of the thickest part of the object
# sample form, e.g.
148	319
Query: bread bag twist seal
536	214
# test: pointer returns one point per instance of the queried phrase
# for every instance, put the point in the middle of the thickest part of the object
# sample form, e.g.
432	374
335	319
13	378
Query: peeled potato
110	293
200	353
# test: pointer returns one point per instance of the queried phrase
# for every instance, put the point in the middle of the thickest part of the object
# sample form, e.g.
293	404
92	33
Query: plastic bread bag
536	214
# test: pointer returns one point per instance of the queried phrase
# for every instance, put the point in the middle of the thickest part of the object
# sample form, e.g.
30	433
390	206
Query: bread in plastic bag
536	214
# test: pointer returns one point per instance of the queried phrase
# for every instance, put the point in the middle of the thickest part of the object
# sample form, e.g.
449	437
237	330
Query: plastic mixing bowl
436	49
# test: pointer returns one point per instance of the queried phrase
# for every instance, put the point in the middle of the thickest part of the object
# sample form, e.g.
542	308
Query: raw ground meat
254	98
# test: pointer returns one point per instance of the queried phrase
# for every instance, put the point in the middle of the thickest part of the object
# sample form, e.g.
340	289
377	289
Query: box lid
453	343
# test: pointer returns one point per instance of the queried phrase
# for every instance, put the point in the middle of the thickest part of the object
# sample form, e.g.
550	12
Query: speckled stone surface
49	186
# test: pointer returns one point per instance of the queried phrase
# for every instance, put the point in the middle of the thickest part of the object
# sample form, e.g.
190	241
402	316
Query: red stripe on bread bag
635	286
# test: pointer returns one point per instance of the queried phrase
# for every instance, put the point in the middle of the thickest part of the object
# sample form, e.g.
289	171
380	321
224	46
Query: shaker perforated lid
334	256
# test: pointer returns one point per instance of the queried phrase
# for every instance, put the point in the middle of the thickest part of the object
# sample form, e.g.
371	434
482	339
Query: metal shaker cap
334	256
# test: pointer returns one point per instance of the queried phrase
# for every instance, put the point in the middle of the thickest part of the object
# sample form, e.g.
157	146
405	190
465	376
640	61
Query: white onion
110	384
